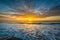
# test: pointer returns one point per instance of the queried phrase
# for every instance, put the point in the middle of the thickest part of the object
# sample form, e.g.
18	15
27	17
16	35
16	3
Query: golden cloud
28	18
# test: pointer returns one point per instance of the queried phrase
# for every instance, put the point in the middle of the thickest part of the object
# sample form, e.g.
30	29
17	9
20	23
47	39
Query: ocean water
31	31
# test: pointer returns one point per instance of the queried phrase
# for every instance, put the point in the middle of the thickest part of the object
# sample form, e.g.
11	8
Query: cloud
39	7
18	19
54	11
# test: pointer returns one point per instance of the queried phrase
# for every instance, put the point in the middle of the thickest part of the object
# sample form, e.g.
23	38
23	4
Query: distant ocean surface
31	31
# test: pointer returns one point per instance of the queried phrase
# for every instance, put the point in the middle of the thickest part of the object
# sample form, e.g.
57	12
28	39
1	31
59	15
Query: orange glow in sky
28	18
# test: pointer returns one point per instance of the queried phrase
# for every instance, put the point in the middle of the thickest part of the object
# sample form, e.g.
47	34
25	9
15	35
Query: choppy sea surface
30	31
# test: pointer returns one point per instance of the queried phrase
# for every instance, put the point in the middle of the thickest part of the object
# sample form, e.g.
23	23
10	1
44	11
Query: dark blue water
31	31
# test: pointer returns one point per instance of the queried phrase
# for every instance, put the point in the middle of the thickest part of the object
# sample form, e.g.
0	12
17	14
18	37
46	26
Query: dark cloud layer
54	11
36	6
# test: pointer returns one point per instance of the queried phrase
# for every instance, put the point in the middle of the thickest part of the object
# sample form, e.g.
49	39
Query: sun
28	18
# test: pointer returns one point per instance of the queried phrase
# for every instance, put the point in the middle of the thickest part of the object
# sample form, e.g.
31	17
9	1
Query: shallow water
31	31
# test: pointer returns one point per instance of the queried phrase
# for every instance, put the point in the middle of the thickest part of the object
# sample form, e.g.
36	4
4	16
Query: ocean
30	31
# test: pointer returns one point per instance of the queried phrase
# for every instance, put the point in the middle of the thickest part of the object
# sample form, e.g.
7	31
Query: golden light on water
29	27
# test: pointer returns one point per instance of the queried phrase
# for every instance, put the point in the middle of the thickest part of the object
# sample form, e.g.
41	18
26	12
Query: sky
35	6
49	9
